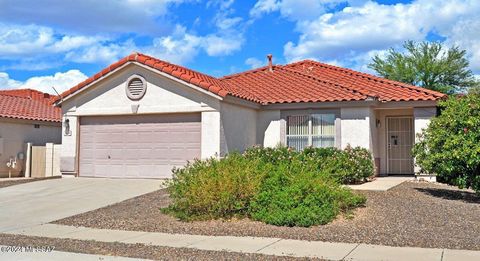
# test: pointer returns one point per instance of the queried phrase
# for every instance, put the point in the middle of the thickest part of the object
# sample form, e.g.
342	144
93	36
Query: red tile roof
30	93
198	79
283	85
28	105
305	81
383	89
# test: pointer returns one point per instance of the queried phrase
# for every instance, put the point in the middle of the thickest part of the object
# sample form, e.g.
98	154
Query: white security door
400	138
138	146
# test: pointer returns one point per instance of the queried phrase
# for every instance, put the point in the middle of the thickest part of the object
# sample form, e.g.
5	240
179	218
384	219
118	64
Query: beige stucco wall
356	127
269	128
16	133
239	128
163	95
422	117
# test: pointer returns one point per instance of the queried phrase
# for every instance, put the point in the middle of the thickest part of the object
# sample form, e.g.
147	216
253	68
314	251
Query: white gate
400	139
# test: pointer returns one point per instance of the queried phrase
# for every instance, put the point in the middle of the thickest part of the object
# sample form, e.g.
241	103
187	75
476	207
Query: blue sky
61	42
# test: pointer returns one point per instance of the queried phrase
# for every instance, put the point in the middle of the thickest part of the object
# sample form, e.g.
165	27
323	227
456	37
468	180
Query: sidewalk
268	246
58	255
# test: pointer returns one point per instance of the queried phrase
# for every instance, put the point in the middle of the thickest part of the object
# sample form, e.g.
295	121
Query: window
316	130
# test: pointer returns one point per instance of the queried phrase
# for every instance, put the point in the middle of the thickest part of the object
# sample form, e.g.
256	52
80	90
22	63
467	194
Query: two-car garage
137	146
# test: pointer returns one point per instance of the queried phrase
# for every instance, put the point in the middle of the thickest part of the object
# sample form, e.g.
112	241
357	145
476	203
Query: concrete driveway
44	201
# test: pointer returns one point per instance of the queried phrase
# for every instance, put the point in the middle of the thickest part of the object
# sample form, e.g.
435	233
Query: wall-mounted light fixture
66	125
378	123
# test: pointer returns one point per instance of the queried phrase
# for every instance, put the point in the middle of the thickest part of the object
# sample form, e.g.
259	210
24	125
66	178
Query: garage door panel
138	146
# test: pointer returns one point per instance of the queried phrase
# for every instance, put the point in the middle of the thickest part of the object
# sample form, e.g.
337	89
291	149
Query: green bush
450	146
278	186
297	194
351	165
215	188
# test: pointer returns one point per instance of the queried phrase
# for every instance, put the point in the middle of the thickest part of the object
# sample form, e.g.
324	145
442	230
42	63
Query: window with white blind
316	130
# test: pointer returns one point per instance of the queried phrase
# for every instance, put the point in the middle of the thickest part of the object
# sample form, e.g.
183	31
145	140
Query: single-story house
26	116
142	116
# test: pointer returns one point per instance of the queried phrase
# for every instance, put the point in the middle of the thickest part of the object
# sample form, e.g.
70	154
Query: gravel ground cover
5	182
412	214
131	250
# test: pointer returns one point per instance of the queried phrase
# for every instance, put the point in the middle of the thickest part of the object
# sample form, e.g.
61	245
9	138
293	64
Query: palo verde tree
427	64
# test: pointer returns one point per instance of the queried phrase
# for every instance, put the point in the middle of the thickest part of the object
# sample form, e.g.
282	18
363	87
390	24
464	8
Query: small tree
427	64
450	146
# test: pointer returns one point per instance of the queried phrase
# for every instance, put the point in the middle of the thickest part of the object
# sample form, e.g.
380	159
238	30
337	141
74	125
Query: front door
400	138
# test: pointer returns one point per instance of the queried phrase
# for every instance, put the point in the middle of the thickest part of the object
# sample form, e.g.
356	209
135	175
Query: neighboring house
141	116
26	116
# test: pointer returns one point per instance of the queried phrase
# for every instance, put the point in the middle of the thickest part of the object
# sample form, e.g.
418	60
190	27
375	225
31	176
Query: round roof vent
136	87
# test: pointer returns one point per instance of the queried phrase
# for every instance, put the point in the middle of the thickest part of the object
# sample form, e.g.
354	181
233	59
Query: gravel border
132	250
4	182
416	214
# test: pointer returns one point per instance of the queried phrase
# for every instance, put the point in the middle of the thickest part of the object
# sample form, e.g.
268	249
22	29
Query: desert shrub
297	194
351	165
271	155
215	188
278	186
450	146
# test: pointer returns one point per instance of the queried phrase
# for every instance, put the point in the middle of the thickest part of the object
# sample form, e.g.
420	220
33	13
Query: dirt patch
416	214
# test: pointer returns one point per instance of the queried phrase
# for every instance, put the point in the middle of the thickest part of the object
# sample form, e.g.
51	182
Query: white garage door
138	146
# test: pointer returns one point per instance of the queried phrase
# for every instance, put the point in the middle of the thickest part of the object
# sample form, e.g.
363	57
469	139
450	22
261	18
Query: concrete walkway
40	202
381	183
26	254
269	246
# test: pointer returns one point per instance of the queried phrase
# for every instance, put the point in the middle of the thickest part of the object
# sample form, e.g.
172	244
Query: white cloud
7	83
216	45
180	47
101	52
354	30
352	34
254	62
22	43
90	16
61	81
31	47
264	6
298	9
466	35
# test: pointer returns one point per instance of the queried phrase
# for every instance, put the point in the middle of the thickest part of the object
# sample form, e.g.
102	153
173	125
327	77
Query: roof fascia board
409	104
320	105
242	102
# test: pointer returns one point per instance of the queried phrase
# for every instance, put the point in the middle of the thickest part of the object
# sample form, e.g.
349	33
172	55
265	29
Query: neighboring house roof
304	81
30	93
28	105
